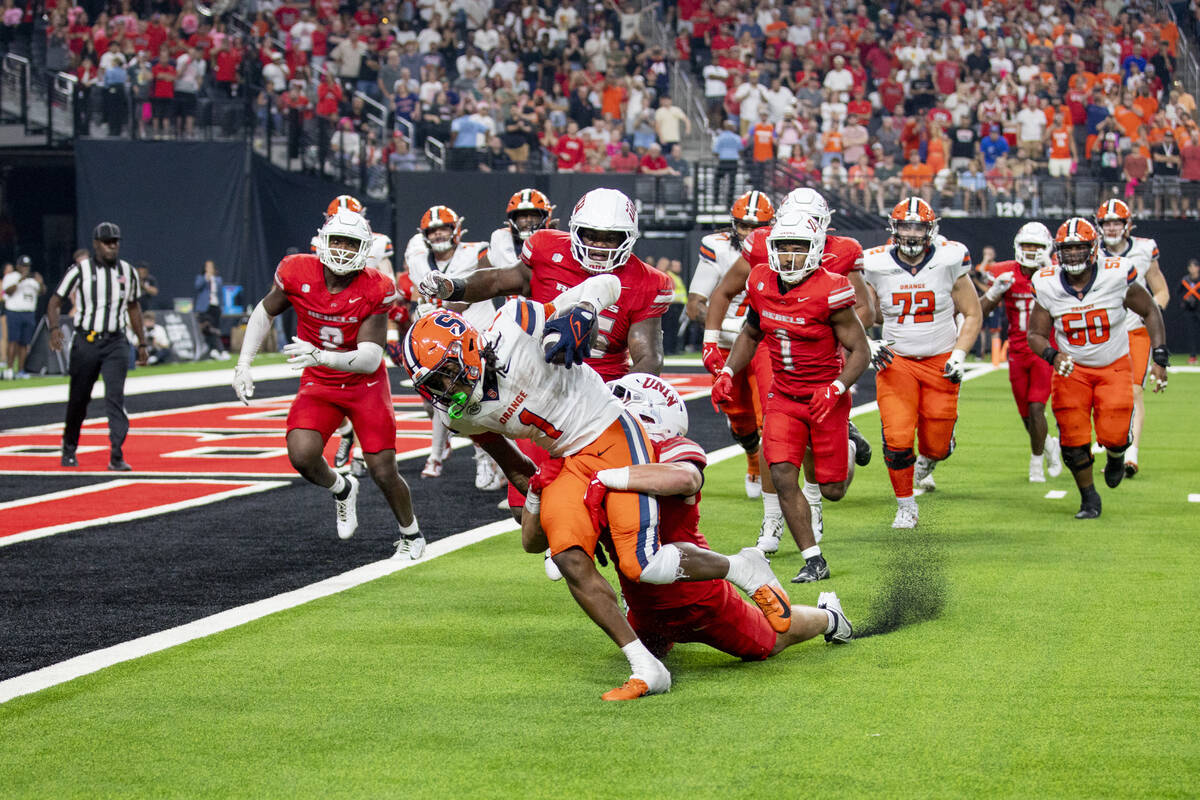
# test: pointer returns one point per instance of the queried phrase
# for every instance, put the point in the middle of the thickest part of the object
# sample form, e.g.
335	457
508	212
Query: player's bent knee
663	566
1078	458
833	491
898	459
749	441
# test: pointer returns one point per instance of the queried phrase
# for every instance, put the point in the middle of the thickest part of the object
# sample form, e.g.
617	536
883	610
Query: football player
603	230
718	252
843	256
341	311
806	317
500	382
920	281
1115	224
710	612
1028	374
528	212
1084	304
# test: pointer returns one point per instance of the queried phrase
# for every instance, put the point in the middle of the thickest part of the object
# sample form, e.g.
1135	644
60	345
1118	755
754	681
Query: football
549	340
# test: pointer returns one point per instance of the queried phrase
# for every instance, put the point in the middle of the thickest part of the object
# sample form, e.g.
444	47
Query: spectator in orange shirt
1126	117
1144	104
1060	143
937	148
762	148
917	178
612	98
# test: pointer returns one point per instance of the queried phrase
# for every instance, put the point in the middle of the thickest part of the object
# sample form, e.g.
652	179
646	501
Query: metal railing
435	151
14	88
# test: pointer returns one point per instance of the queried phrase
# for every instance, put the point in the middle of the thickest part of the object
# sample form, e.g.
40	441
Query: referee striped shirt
103	294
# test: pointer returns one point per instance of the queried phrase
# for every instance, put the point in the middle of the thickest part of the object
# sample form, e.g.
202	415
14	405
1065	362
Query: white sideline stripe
1055	494
99	659
1194	498
142	513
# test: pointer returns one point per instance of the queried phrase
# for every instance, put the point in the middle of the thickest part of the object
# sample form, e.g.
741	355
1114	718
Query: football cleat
1054	462
1114	470
1131	469
862	453
769	535
842	630
483	471
433	468
347	510
766	592
923	473
358	466
345	448
410	547
817	516
906	517
640	685
814	569
69	460
1090	507
1037	474
753	486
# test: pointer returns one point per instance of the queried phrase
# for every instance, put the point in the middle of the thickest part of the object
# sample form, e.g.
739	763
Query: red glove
712	357
546	474
824	400
594	500
722	391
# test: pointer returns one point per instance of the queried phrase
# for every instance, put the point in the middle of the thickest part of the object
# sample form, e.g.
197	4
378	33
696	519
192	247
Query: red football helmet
913	226
1114	221
528	210
441	217
443	355
752	210
1075	244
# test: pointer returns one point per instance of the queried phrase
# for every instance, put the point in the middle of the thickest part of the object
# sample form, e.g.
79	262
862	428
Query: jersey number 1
917	305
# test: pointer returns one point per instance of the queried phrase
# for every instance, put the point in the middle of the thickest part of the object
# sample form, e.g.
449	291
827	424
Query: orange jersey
1060	142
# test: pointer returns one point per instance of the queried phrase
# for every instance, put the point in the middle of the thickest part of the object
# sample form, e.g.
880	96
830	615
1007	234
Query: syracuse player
920	280
1083	305
499	383
1115	224
718	252
1028	374
341	311
843	256
710	612
603	230
803	313
528	211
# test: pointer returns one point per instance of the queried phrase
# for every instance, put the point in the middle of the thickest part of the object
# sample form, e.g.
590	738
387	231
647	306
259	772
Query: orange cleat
631	690
776	607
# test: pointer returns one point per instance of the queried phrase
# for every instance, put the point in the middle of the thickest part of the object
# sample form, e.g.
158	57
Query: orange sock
902	481
752	463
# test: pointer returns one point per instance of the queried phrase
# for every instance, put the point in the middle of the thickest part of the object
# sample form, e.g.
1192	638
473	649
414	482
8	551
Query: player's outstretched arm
484	283
364	359
697	307
257	328
744	345
730	287
662	480
1139	300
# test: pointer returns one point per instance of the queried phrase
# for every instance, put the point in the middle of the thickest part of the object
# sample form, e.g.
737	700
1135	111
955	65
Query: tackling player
803	313
1115	224
498	383
1028	374
920	281
341	311
1084	303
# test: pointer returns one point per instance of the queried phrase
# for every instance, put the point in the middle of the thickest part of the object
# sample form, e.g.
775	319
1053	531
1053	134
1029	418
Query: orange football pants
1104	394
914	396
632	517
744	407
1139	354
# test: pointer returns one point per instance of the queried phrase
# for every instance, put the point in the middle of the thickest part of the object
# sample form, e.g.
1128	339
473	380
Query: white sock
907	501
811	492
641	660
832	621
441	439
344	428
808	553
1035	459
741	571
1131	454
771	505
339	483
409	529
853	450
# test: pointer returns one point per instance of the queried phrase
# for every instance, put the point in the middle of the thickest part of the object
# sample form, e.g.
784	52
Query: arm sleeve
364	359
600	291
257	328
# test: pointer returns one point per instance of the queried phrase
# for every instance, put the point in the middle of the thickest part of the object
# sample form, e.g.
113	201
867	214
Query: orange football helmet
344	201
1114	211
913	226
1075	244
752	210
528	210
442	354
441	217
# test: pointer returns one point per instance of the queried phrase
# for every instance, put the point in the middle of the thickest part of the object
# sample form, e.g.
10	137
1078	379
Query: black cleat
1090	507
345	448
1114	470
814	569
1131	469
118	465
69	460
862	453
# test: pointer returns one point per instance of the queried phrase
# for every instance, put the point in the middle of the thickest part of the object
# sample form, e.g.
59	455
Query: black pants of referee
107	356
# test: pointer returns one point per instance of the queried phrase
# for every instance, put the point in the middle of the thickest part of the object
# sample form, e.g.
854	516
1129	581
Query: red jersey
332	321
678	521
843	254
805	352
1018	302
645	294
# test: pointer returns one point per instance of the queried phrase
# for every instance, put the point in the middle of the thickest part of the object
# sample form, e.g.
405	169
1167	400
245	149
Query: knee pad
663	567
748	441
898	459
1078	458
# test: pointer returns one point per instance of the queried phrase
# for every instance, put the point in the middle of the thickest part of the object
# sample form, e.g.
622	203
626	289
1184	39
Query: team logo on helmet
654	402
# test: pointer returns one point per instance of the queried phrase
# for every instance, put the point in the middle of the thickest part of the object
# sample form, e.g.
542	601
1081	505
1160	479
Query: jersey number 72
916	305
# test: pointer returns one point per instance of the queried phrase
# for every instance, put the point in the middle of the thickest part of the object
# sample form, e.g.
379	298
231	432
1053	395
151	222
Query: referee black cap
106	231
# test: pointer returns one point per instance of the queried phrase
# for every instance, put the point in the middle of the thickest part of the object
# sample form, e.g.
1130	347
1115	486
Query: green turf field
1056	664
156	369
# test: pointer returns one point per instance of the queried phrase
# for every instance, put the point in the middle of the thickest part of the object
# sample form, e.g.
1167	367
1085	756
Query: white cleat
410	547
483	472
769	535
818	521
923	473
1054	462
1036	473
495	478
753	486
347	510
358	466
552	570
906	517
842	630
433	468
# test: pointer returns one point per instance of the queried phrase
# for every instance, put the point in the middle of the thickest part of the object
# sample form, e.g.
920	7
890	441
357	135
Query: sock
741	571
1131	455
811	492
907	501
902	482
440	446
832	621
641	660
411	529
811	552
341	486
771	505
752	464
1035	459
853	450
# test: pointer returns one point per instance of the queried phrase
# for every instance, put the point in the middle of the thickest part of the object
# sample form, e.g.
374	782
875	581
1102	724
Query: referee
106	287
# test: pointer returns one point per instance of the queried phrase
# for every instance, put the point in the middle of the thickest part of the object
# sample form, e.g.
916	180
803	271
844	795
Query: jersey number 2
917	305
331	337
1094	329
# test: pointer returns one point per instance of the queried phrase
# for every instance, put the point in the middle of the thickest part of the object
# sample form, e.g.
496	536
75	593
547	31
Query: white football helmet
796	226
603	210
1033	234
654	402
810	202
345	224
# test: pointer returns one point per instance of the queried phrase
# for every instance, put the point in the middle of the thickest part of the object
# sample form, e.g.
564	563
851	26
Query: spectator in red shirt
653	162
329	96
625	160
162	93
226	61
569	149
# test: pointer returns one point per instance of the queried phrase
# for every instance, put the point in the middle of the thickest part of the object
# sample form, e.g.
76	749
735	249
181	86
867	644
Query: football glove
954	369
574	330
545	474
881	353
302	354
593	498
394	352
713	358
1066	366
722	391
1000	285
824	400
436	286
243	384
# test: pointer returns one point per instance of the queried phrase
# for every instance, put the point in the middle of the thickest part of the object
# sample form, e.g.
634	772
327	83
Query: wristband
615	479
711	335
1160	355
841	387
1049	354
533	502
459	290
726	370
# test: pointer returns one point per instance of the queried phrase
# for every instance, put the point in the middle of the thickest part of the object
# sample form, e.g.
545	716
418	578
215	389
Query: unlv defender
341	311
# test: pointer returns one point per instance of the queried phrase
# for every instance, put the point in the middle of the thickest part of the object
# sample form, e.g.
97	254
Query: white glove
881	353
302	354
1002	284
243	384
1066	366
436	286
954	370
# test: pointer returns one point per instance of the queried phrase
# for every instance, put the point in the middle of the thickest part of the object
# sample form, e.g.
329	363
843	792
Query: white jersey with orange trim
379	255
1142	251
562	410
465	260
502	250
917	302
718	253
1084	327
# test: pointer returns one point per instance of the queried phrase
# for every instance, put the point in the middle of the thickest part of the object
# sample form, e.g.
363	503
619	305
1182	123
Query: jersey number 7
917	305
